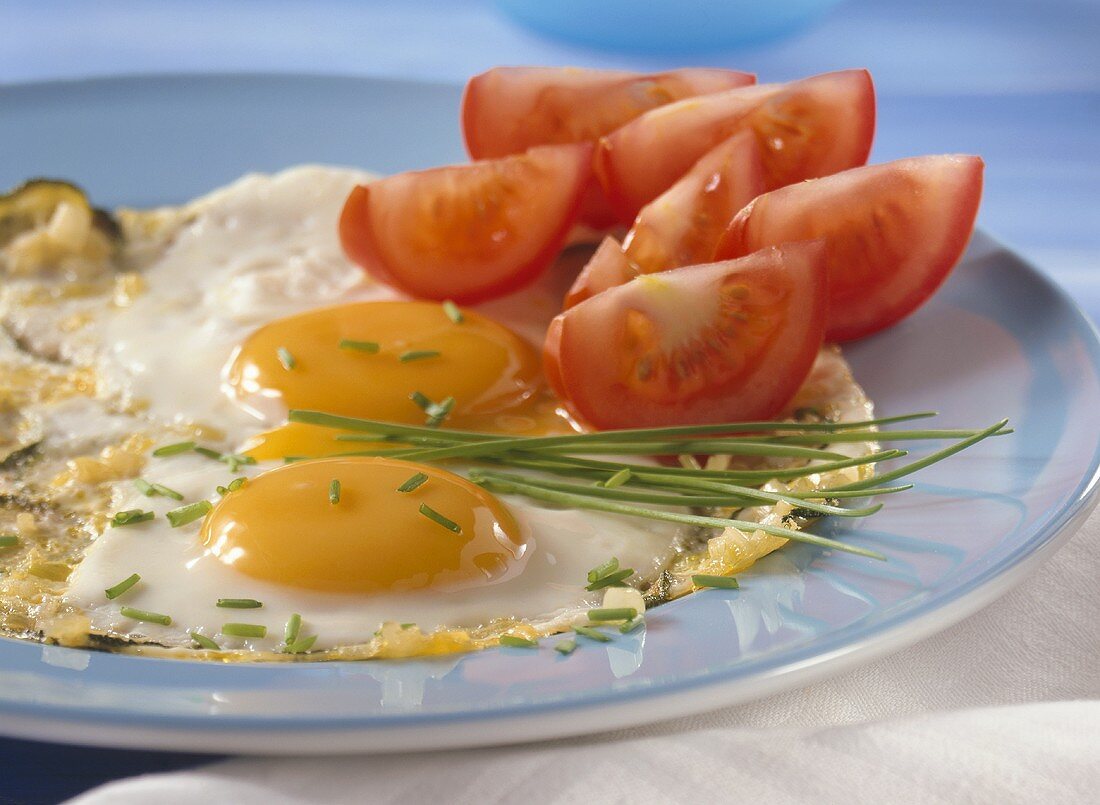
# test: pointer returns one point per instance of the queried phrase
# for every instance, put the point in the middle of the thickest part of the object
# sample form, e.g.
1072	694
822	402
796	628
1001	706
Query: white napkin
921	726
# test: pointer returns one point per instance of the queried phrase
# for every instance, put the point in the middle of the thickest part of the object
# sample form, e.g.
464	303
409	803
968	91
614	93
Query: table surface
1017	82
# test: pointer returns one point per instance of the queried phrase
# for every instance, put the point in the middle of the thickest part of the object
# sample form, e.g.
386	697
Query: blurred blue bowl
666	26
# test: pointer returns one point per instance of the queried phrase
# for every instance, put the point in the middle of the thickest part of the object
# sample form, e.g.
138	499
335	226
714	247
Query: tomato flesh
467	232
893	232
721	342
805	129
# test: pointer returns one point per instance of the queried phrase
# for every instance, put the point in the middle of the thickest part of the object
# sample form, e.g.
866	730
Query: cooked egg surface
538	570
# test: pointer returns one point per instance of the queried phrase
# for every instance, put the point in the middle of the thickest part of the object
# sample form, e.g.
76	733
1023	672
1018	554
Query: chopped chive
633	625
204	642
293	626
208	452
130	516
432	514
235	460
144	487
618	479
611	579
238	603
592	634
598	572
147	617
236	484
452	311
566	647
244	630
415	482
122	586
421	400
302	646
418	354
719	582
8	540
151	490
438	412
612	614
161	489
286	359
189	513
407	625
334	491
514	641
361	346
174	449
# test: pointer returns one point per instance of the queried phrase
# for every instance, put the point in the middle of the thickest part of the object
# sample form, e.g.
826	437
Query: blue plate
999	340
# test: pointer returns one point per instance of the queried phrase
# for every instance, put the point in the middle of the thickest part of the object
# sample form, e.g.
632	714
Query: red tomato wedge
721	342
467	232
682	226
805	129
510	109
893	232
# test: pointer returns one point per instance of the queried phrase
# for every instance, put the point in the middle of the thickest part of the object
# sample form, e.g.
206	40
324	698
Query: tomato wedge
507	110
467	232
721	342
682	226
893	233
805	129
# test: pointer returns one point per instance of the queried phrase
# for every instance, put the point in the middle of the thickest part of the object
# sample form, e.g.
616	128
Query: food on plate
221	438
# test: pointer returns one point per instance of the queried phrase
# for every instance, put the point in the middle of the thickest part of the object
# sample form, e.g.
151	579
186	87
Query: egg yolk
288	526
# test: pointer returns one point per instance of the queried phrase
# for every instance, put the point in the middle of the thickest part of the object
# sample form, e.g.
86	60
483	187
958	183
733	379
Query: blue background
1017	82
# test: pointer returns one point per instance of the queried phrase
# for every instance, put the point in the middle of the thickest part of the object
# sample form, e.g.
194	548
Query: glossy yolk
297	362
282	527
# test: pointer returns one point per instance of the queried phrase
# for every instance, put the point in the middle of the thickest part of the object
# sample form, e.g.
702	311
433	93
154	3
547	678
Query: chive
8	540
407	625
235	460
174	449
236	484
144	487
244	630
122	586
208	452
238	603
147	617
334	491
131	516
432	514
418	354
565	647
612	614
719	582
592	634
415	482
452	311
302	646
189	513
205	642
438	412
421	400
631	626
611	579
618	479
371	347
286	359
151	490
513	641
598	572
293	626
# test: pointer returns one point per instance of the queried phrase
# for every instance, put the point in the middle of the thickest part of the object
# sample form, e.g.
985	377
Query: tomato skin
607	267
507	110
893	232
723	342
467	232
805	129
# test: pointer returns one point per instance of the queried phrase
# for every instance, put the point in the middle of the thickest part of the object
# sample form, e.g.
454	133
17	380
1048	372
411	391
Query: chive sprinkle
439	412
293	626
205	642
618	479
598	572
421	400
631	626
415	482
189	513
131	516
152	490
611	579
8	540
592	634
208	452
418	354
122	586
286	359
334	491
236	484
514	641
452	311
613	614
174	449
302	646
238	603
719	582
566	647
244	630
371	347
147	617
432	514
